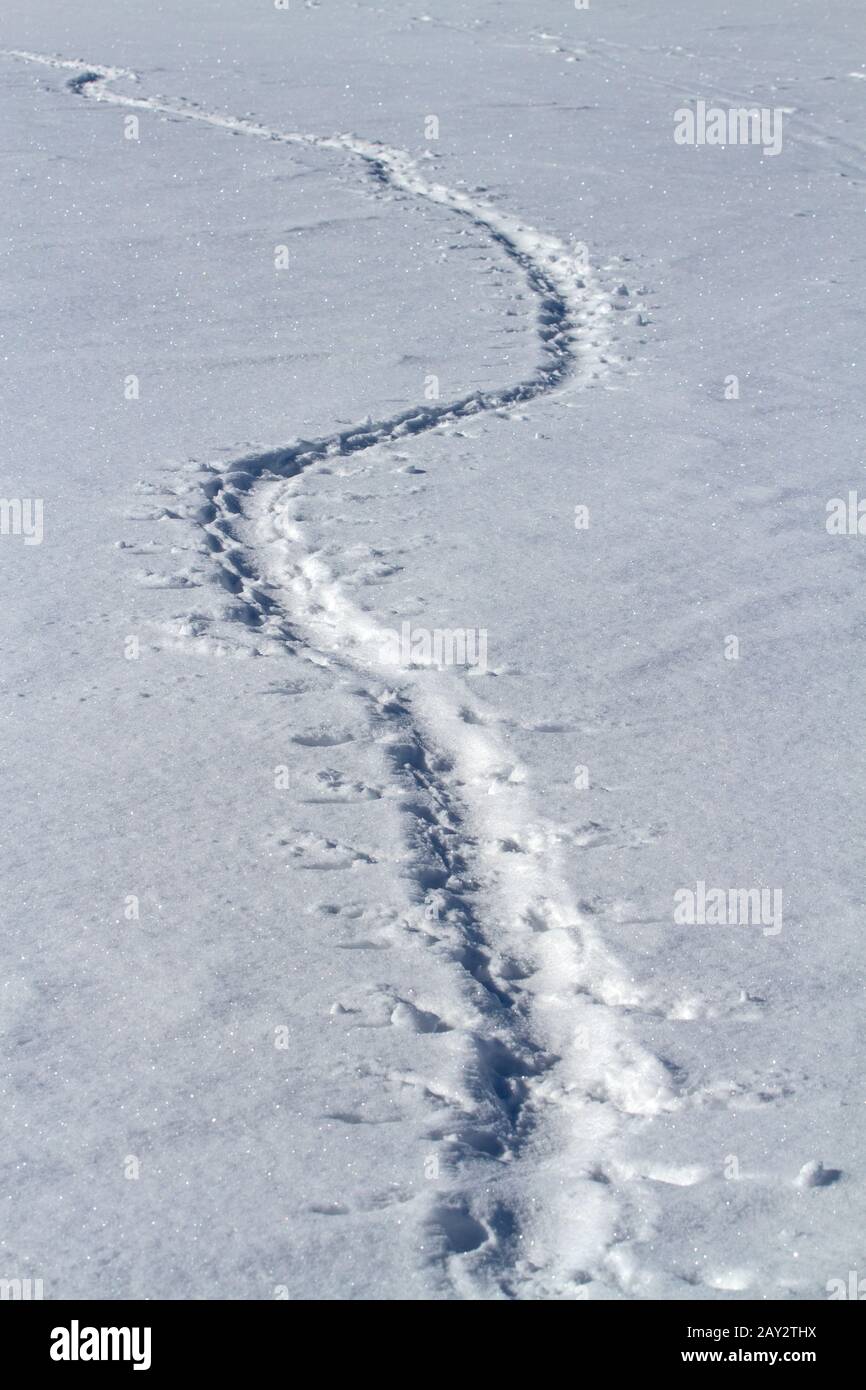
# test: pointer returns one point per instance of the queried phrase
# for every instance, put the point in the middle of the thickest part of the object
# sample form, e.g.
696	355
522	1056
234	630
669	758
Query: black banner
221	1338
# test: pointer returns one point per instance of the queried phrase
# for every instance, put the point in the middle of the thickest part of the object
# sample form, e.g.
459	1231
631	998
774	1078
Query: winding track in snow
557	1044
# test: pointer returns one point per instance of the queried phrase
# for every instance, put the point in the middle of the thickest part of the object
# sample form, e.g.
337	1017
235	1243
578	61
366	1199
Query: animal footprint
323	736
457	1229
329	785
319	852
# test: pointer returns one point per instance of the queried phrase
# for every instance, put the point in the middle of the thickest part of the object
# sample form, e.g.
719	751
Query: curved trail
554	1067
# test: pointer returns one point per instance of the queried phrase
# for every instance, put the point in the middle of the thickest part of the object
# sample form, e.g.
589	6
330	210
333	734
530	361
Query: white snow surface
327	977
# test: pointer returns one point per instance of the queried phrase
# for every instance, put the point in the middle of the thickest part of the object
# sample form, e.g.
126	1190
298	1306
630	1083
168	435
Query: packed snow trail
555	1068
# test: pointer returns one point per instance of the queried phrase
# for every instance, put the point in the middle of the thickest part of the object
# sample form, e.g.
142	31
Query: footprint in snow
323	736
319	852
